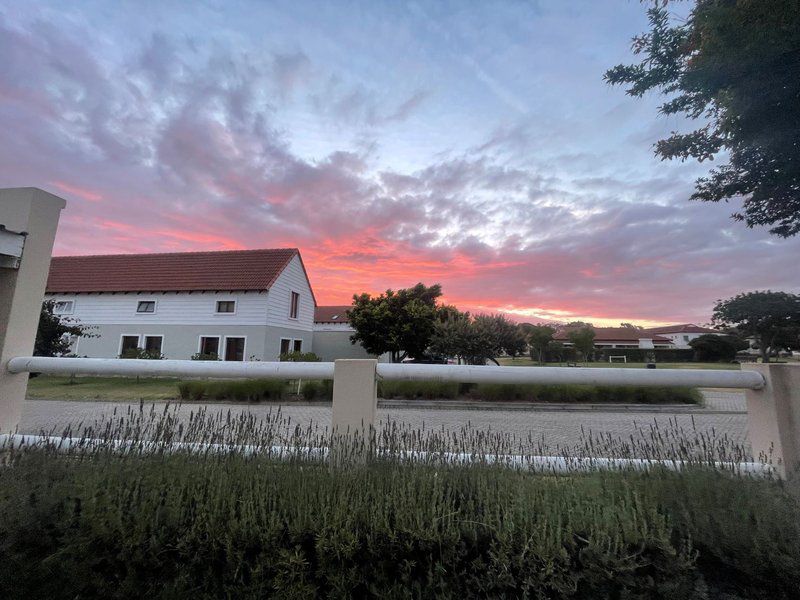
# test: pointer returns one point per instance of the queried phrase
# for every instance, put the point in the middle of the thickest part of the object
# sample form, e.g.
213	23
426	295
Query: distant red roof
233	270
684	328
615	334
332	314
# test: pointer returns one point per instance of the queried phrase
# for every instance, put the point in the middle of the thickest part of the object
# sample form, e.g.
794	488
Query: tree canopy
55	334
734	65
716	348
538	338
475	340
398	322
771	318
582	339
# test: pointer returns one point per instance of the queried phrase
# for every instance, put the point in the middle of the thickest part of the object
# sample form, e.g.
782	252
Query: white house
332	331
240	305
681	335
619	337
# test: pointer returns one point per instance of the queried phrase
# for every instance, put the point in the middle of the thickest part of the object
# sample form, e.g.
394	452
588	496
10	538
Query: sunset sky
473	144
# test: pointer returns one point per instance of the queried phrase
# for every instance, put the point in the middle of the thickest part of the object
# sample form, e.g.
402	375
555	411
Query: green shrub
299	357
317	389
413	390
216	526
250	390
432	390
208	356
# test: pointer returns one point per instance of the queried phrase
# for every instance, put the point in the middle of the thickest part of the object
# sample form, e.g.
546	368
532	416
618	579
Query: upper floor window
226	306
294	306
63	307
146	306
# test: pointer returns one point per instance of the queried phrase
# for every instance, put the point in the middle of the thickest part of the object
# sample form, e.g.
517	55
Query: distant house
239	305
332	333
619	337
681	335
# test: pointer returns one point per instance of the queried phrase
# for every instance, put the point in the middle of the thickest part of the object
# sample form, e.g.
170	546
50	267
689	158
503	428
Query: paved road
552	429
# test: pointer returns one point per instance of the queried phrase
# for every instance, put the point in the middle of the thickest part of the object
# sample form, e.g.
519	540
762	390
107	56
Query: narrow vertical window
294	305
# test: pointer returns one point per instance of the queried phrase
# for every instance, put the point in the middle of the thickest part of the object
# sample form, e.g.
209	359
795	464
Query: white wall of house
172	308
681	340
291	279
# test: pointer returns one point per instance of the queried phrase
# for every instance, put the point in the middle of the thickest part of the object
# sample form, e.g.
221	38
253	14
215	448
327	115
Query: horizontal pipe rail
171	368
580	375
535	463
388	371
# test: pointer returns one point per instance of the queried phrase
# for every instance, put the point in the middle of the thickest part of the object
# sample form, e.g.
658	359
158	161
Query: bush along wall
426	390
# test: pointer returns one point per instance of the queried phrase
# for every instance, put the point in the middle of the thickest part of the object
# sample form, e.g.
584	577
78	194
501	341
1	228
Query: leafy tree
735	65
582	339
539	337
476	340
770	318
631	326
400	323
716	348
55	334
556	349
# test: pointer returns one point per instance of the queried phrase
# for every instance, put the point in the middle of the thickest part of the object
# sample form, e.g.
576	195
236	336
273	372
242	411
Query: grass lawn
46	387
527	362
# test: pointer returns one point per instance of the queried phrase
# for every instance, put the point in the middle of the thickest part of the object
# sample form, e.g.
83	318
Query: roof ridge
188	252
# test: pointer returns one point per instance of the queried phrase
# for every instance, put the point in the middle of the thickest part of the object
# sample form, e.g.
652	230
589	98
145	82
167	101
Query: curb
554	407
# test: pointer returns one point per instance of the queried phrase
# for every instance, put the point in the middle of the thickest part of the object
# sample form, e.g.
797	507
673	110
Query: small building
332	333
239	305
619	337
681	335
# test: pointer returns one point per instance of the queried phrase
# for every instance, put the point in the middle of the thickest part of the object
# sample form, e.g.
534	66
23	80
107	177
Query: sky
471	144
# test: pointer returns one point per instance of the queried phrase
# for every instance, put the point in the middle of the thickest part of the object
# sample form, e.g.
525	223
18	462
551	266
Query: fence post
773	416
34	213
355	402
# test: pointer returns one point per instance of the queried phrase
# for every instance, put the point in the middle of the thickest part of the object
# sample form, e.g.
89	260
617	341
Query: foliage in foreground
252	523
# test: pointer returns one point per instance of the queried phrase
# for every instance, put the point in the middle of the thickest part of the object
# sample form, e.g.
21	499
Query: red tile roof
615	334
684	328
332	314
233	270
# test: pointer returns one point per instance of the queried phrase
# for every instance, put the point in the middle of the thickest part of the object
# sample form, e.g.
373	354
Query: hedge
229	526
427	390
250	390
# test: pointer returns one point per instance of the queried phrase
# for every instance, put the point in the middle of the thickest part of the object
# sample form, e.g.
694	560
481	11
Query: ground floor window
234	348
298	346
209	345
129	344
285	346
153	343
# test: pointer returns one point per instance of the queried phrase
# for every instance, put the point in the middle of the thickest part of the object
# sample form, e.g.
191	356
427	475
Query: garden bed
104	525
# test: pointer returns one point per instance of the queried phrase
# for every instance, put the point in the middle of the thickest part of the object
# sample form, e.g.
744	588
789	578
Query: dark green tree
398	322
769	318
56	334
735	66
539	337
476	340
716	348
582	339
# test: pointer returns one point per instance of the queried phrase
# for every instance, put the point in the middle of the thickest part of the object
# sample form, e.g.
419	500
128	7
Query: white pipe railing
405	372
535	463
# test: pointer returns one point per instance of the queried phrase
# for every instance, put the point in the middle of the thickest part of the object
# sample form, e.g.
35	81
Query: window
294	306
226	306
298	346
128	344
63	307
209	345
234	348
153	343
285	345
686	338
146	306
